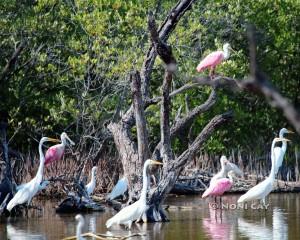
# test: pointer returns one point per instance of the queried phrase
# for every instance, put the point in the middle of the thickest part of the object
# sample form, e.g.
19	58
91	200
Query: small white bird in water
80	224
261	190
92	184
136	210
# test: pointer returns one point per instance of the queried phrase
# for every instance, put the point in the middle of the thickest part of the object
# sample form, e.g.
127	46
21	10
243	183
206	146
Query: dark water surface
191	218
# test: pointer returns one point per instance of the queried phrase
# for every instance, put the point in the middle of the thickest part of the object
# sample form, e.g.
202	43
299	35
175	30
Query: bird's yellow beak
156	162
282	139
290	131
53	140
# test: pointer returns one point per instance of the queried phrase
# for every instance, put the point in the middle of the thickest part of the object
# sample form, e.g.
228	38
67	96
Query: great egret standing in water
56	152
134	211
280	151
92	184
261	190
28	190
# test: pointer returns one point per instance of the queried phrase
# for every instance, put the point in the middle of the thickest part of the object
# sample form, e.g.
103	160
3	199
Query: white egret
280	151
28	190
118	190
42	186
136	210
80	224
92	184
261	190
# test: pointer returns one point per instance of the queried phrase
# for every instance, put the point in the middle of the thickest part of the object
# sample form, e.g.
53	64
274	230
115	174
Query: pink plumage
218	187
211	60
54	153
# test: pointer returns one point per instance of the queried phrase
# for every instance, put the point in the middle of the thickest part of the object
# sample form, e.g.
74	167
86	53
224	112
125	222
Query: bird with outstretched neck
136	210
28	190
261	190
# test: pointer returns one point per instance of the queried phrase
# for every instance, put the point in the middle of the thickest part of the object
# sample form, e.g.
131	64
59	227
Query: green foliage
73	73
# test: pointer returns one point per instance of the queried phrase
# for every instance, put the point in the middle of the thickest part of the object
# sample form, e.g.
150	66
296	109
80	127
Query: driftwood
106	237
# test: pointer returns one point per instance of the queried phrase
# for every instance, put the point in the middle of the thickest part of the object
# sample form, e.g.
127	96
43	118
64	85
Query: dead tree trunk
133	154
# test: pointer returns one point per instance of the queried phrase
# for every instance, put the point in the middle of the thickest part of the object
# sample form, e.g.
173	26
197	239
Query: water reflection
193	221
18	234
217	226
261	230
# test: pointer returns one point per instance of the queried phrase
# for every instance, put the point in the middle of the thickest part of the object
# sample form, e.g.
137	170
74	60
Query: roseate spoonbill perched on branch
56	152
280	151
261	190
92	184
136	210
213	59
28	190
218	187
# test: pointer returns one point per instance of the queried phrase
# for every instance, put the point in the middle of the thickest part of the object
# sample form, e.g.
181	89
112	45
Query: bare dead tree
132	153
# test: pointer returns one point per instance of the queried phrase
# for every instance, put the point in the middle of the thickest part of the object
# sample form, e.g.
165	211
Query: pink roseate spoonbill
135	211
28	190
213	59
92	184
219	186
56	152
261	190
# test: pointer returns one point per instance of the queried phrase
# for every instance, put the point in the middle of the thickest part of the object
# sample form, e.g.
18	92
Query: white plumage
136	210
80	224
118	190
280	151
28	190
92	184
261	190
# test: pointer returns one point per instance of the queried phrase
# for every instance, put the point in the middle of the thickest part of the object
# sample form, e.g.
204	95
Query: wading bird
280	151
213	59
80	224
28	190
226	166
118	190
136	210
91	185
56	152
261	190
42	186
218	187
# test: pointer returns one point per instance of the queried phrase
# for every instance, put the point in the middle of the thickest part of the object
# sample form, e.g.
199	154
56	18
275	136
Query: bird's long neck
223	169
226	53
93	180
284	143
63	141
145	184
42	161
272	173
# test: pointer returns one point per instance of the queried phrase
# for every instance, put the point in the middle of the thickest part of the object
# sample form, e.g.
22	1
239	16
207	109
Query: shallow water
191	218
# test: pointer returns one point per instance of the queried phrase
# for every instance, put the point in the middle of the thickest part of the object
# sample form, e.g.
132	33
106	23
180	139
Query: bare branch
140	120
164	31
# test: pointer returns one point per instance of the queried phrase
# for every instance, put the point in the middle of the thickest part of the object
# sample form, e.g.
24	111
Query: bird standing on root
261	190
218	187
136	210
56	152
280	151
92	184
28	190
213	59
